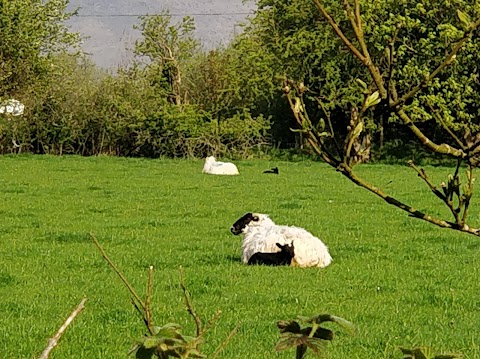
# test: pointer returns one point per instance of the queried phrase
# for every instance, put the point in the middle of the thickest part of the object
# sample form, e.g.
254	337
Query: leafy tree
412	57
241	76
31	32
213	82
210	116
299	39
222	83
168	49
63	109
289	39
33	35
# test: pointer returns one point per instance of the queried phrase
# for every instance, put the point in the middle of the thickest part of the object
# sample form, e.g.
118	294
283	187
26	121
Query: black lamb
282	258
274	170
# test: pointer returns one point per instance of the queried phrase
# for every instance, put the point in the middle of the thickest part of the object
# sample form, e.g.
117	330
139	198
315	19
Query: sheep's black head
242	222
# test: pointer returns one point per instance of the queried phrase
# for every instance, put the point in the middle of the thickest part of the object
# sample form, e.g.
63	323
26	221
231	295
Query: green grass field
402	282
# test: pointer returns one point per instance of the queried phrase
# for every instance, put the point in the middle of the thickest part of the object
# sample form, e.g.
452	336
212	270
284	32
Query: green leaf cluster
313	336
426	353
168	341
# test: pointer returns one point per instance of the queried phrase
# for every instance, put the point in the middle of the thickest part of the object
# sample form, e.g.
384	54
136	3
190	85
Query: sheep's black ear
279	245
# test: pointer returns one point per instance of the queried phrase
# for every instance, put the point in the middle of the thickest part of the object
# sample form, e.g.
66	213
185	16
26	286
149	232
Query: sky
107	25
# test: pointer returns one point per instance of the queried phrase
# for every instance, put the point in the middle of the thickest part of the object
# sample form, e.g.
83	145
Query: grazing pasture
399	280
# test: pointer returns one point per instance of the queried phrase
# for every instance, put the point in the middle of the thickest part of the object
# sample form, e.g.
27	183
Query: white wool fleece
261	236
219	168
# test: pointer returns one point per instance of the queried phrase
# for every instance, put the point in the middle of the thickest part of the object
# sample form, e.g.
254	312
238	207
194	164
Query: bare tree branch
114	267
53	341
445	127
318	147
330	126
346	171
421	173
225	342
442	148
358	17
339	32
468	196
189	304
445	197
148	301
345	168
137	302
356	22
212	321
391	62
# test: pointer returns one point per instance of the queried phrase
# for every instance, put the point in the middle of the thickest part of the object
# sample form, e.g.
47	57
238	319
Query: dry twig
53	341
148	301
225	342
188	302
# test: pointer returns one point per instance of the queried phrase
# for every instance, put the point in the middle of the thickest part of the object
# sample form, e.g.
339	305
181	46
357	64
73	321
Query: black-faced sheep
261	235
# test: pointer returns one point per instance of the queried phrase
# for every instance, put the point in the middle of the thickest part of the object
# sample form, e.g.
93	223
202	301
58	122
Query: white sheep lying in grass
261	235
219	168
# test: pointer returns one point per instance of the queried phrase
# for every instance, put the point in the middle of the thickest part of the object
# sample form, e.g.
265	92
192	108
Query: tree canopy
402	96
302	45
32	32
242	80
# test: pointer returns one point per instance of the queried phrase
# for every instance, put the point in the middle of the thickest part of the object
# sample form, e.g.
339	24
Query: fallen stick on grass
53	341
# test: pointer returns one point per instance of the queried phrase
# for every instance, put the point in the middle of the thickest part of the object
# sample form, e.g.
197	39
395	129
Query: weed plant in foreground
403	283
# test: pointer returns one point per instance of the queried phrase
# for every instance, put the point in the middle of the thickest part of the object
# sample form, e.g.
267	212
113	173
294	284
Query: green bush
126	115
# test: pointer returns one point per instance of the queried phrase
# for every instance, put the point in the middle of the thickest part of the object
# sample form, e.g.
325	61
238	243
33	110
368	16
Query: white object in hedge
12	107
